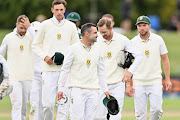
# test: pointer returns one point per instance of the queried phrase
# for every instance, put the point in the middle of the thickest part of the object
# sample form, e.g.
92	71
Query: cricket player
113	46
17	45
75	18
36	112
85	66
54	35
147	79
5	87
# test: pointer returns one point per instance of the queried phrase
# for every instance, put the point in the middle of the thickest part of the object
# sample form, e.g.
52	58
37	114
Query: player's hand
48	60
107	94
26	22
127	76
168	84
129	91
59	95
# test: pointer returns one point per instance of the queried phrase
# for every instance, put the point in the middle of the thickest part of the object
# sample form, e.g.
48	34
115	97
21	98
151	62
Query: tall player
54	36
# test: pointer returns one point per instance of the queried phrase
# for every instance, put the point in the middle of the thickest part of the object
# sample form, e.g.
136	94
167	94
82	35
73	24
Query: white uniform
53	36
5	69
84	66
147	80
20	67
113	55
36	112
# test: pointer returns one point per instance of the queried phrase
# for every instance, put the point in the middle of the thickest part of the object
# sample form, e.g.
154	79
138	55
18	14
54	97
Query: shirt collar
54	19
113	38
150	38
86	46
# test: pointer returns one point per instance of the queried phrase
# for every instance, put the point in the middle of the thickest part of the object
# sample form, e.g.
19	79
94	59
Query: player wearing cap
75	18
147	79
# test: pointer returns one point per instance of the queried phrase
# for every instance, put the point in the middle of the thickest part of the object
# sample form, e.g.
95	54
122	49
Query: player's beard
143	33
21	33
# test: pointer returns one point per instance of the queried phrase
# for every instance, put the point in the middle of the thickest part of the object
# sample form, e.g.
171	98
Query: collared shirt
55	21
67	66
163	49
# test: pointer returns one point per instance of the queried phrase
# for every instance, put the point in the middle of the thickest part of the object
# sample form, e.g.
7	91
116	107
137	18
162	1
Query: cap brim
142	22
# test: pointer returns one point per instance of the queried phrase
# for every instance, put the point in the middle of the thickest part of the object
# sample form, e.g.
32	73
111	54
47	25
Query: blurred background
165	21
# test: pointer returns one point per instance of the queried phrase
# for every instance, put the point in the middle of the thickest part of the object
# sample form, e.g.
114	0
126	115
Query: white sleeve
163	49
32	31
130	47
37	43
5	68
68	59
3	48
101	74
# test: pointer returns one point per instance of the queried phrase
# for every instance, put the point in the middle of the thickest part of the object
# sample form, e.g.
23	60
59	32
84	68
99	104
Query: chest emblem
88	63
109	55
58	36
147	53
21	47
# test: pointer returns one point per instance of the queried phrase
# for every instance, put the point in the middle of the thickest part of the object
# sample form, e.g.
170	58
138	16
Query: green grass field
171	107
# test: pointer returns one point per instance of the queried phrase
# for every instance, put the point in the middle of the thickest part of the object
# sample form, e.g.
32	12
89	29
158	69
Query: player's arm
137	61
166	66
102	76
75	36
3	48
69	57
38	41
5	68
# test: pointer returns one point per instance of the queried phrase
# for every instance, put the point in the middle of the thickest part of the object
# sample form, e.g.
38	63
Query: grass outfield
170	108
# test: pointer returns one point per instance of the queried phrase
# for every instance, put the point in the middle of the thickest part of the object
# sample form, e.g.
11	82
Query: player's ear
52	9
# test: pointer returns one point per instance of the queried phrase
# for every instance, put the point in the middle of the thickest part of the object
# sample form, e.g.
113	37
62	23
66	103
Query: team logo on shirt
147	53
88	63
21	47
109	55
72	100
58	36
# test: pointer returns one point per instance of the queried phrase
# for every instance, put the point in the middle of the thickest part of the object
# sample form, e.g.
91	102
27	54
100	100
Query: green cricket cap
73	16
112	105
58	58
143	19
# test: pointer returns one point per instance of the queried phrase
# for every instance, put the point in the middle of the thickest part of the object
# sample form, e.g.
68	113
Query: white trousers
36	112
116	90
141	96
19	99
49	93
83	103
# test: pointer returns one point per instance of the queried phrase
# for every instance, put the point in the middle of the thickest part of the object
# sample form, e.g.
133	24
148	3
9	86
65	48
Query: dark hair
87	28
19	19
104	21
57	2
108	16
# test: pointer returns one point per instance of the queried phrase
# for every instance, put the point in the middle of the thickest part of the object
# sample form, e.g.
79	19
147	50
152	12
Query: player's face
93	35
58	11
143	28
105	32
21	29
